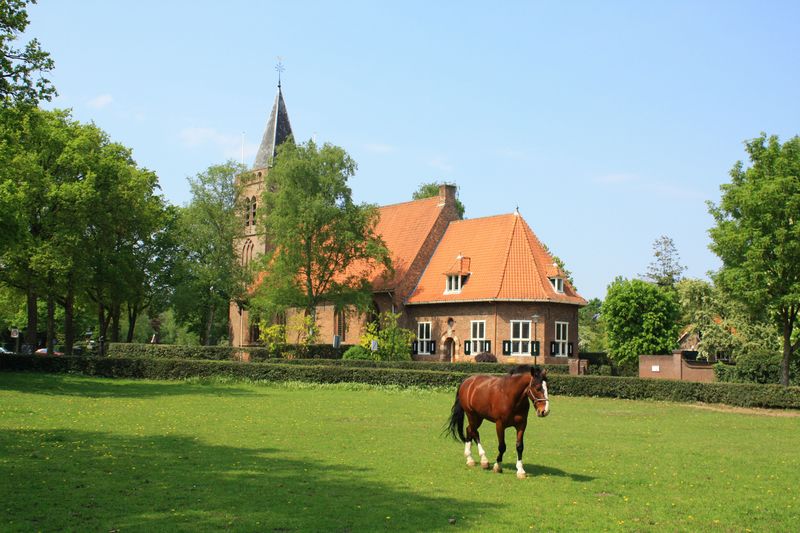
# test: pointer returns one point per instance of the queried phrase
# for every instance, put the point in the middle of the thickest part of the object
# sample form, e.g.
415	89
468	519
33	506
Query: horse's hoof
521	475
470	461
497	468
485	465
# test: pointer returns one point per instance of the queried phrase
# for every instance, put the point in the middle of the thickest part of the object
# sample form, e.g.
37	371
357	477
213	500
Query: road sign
14	333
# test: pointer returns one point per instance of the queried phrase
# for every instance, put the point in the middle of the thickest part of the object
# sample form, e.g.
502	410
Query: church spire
277	131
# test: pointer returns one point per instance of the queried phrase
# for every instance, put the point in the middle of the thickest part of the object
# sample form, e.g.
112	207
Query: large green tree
22	70
723	324
80	212
324	245
212	274
640	318
757	236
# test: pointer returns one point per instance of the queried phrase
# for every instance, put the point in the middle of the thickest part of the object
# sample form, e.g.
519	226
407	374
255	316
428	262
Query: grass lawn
88	454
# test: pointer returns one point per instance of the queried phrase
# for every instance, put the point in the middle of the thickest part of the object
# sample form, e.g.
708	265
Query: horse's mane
520	369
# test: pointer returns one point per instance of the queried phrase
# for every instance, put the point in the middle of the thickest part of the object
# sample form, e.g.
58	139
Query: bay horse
502	400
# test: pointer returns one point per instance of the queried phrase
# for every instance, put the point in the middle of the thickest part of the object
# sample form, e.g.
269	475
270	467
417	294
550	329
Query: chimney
447	194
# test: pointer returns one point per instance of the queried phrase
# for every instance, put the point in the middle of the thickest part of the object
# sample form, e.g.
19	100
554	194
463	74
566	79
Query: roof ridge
484	218
429	198
529	234
507	257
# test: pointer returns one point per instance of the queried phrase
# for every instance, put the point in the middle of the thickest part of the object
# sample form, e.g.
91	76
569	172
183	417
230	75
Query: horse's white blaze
520	470
546	398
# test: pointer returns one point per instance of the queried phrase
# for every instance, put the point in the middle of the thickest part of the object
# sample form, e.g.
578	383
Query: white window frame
561	341
477	339
558	284
520	345
453	284
422	340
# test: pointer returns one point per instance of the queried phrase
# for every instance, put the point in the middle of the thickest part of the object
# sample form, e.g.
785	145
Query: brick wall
498	317
674	366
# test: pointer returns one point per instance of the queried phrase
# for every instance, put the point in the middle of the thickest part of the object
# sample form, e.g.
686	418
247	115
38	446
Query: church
463	286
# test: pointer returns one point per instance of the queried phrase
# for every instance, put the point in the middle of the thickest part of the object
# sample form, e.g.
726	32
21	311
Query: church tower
253	243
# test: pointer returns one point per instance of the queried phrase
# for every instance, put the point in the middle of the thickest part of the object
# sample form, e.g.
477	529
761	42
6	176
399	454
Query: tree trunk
209	325
33	318
788	322
133	313
69	322
51	322
101	320
116	311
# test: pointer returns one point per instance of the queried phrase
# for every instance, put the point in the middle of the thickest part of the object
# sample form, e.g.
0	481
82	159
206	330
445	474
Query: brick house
464	286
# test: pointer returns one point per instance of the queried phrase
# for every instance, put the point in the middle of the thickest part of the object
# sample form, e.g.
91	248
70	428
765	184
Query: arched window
247	204
253	211
247	252
340	324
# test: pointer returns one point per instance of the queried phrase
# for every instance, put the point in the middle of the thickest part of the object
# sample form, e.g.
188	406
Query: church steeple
277	131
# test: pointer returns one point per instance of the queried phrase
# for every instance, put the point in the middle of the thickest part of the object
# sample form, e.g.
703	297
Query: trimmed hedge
224	353
325	354
736	394
471	368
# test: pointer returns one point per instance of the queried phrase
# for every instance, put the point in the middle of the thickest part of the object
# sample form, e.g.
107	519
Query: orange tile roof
404	228
507	262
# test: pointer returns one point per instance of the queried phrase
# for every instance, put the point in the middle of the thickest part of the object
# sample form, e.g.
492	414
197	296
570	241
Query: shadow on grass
91	387
540	470
91	481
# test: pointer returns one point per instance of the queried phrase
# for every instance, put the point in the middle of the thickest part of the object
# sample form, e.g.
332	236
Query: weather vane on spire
279	68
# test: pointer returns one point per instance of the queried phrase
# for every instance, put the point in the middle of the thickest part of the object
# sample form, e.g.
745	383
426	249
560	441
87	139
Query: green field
87	454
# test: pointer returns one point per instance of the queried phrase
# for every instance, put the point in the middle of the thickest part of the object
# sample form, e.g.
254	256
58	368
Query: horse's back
477	394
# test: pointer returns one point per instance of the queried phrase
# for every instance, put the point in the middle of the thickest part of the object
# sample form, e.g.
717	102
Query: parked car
3	351
43	351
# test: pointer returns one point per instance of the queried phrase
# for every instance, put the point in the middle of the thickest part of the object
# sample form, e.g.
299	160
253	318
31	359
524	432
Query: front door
449	347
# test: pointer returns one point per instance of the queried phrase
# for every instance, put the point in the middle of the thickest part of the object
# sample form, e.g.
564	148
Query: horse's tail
456	425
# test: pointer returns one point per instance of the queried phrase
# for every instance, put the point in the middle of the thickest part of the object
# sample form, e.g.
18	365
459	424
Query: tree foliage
394	342
212	274
723	326
640	318
21	69
757	237
431	189
665	269
81	217
591	327
324	246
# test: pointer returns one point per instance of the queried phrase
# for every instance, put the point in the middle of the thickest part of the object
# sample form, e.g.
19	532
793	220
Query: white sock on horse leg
520	470
468	448
481	451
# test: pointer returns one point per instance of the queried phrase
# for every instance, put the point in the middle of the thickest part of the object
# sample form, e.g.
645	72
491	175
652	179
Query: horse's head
537	391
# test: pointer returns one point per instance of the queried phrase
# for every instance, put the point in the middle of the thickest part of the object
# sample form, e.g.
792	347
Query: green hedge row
736	394
224	353
324	354
471	368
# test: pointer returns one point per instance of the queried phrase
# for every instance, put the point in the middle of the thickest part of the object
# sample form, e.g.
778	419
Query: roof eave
491	300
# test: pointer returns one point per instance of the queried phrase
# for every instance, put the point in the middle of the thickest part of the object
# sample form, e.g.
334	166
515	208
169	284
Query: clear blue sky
607	123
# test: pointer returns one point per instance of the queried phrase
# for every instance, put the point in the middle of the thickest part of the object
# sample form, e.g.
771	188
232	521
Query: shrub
394	342
738	394
755	367
485	357
223	353
357	353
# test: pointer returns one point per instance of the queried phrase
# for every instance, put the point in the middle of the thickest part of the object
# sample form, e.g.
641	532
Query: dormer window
454	282
558	284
